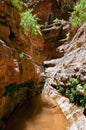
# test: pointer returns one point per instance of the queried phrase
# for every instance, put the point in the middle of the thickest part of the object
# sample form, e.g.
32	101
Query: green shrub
68	91
17	4
74	81
84	87
78	16
80	100
62	89
29	23
73	94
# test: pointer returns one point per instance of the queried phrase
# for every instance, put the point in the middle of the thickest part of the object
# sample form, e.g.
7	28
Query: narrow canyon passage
37	114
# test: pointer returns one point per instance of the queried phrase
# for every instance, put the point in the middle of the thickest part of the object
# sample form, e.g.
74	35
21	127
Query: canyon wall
19	57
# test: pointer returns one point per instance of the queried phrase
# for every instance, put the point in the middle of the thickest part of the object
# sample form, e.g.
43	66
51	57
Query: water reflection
37	114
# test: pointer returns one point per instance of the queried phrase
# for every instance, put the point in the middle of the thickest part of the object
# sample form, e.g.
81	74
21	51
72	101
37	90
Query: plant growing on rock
68	91
74	81
29	23
62	89
78	16
84	87
74	94
17	4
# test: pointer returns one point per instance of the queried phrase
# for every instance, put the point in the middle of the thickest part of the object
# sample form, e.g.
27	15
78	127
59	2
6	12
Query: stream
37	114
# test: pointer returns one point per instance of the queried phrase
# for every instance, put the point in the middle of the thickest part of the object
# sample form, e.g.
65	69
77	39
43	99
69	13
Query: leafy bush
78	16
73	94
62	89
17	3
29	23
74	81
80	100
68	91
84	87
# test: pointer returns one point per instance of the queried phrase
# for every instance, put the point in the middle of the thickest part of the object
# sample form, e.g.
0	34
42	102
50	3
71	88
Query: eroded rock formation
73	63
55	35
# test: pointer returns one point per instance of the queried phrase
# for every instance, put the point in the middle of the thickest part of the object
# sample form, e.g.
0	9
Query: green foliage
68	91
62	89
74	81
80	100
73	94
57	20
21	55
84	87
17	4
29	23
78	16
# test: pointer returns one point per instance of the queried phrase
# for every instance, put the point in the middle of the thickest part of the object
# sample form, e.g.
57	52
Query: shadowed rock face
54	36
18	55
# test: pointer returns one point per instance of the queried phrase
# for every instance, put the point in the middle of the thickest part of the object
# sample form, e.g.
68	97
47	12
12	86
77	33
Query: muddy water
37	114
